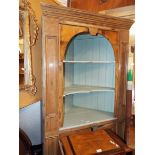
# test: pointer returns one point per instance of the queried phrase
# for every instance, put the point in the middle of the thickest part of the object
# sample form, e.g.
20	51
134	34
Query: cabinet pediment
74	16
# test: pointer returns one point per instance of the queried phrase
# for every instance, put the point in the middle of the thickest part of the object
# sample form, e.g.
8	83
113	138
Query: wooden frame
59	25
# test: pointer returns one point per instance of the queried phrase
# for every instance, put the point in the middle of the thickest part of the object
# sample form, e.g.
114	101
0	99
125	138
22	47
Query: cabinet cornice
75	15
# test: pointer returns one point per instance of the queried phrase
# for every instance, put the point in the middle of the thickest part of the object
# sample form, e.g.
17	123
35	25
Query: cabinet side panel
50	66
51	75
123	62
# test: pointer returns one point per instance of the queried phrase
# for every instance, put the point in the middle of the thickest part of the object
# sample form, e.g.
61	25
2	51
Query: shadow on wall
30	120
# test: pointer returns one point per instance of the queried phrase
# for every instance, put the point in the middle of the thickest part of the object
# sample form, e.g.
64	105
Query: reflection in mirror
28	31
21	48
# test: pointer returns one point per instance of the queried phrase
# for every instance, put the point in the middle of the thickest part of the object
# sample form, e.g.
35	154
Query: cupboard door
50	86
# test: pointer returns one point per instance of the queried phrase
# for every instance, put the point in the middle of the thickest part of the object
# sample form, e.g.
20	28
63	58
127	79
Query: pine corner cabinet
83	71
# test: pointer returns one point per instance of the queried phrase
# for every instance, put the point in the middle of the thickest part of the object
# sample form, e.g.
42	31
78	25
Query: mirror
28	32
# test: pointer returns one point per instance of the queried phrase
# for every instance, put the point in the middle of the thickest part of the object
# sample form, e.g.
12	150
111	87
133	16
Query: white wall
30	119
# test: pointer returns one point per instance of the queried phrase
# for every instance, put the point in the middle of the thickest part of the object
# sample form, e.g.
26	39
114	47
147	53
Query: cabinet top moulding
73	16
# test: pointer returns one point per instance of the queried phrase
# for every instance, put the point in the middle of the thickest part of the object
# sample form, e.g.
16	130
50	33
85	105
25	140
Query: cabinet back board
89	68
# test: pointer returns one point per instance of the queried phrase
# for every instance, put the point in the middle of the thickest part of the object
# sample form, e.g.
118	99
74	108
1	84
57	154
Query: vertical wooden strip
128	116
50	66
51	78
123	61
51	103
51	147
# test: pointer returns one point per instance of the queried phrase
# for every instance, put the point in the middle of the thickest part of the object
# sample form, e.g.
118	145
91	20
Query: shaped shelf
78	61
75	89
78	117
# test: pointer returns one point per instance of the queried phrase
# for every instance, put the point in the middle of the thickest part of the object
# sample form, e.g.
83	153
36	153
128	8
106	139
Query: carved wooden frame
29	40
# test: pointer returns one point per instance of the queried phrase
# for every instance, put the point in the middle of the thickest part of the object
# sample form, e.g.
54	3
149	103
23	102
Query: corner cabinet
83	71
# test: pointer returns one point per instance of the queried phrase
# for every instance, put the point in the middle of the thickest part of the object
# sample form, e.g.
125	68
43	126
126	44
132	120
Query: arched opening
89	81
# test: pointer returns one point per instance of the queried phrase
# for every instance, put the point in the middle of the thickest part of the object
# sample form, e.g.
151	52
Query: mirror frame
29	40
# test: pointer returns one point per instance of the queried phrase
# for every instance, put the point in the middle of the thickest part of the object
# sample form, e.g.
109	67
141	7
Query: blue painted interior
99	72
87	47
